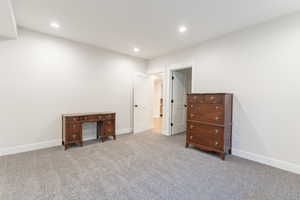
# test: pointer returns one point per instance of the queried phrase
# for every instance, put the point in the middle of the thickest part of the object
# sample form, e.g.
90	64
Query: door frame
168	88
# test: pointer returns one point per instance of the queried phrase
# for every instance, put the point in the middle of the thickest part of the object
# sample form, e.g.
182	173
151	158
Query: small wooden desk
72	126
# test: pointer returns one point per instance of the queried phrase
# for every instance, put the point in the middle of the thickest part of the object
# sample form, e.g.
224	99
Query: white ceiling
8	28
151	25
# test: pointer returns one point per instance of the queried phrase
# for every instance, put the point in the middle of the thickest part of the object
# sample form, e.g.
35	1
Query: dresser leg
114	137
66	146
230	151
81	144
102	139
222	156
186	145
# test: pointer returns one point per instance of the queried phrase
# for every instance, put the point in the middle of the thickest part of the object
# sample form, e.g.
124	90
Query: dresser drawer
195	111
206	141
209	136
195	99
211	108
216	118
213	99
212	132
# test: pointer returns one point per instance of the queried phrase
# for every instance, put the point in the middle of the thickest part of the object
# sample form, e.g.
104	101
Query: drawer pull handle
195	97
217	118
216	143
191	127
192	106
217	107
191	137
74	136
212	97
217	131
192	115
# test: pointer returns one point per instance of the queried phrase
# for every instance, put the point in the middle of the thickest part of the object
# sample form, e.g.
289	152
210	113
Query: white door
142	103
178	110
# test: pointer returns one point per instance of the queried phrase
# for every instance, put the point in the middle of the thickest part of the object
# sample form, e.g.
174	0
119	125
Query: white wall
42	77
8	26
261	66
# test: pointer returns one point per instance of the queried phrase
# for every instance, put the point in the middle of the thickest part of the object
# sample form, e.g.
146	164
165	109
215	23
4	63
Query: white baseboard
124	131
165	132
29	147
287	166
142	130
46	144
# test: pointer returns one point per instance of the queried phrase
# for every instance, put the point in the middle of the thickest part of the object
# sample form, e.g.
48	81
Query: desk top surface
85	114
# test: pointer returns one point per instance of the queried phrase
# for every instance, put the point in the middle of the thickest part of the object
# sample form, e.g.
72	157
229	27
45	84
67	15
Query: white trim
124	131
267	161
142	130
168	88
29	147
46	144
165	132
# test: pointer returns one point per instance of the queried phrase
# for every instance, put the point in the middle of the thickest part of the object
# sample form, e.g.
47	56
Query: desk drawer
72	119
109	127
74	132
109	116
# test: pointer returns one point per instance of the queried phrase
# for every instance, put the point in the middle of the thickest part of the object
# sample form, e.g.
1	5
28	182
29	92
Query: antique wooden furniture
209	122
72	126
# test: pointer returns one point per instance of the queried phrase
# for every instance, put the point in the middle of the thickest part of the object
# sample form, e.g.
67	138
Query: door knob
136	106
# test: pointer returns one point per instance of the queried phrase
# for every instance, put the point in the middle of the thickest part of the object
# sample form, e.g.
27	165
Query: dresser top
85	114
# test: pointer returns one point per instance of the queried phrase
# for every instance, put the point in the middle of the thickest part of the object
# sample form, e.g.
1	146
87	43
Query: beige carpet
144	166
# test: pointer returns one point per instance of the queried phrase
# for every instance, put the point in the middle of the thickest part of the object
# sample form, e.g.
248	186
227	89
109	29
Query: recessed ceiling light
182	29
136	49
54	25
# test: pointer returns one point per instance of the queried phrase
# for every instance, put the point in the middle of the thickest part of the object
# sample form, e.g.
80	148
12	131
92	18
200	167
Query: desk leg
98	129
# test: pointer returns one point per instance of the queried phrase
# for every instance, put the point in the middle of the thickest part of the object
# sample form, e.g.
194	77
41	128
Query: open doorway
181	85
153	96
158	107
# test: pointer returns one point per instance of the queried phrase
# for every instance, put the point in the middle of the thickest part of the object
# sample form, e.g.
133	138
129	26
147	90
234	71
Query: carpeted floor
144	166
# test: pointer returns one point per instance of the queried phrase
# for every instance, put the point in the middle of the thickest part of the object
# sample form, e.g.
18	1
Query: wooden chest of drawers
209	122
